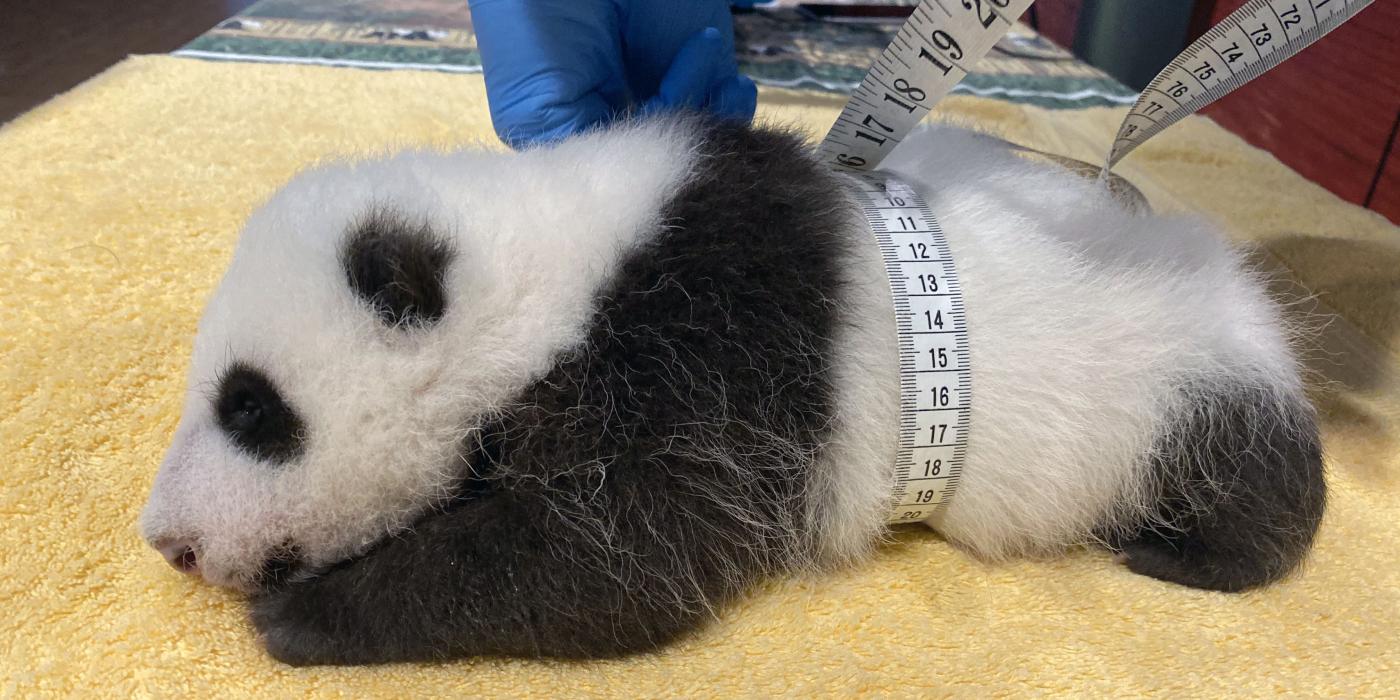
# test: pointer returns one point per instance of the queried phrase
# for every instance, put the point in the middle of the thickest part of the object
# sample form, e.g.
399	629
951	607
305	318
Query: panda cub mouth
280	567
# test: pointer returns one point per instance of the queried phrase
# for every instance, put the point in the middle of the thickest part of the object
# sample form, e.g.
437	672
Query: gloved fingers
697	66
552	67
654	31
734	98
556	67
703	76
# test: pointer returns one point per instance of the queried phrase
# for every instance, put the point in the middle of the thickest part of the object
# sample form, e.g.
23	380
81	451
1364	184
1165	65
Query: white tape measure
935	378
1253	39
931	52
943	39
936	47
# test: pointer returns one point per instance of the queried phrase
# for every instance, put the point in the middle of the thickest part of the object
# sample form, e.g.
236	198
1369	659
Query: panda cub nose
181	555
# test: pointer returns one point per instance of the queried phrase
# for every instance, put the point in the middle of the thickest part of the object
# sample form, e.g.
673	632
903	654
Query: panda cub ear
398	267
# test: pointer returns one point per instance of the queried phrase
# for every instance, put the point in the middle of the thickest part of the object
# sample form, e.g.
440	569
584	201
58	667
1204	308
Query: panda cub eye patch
254	416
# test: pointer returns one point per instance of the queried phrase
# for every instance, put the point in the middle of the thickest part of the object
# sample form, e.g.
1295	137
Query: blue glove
556	67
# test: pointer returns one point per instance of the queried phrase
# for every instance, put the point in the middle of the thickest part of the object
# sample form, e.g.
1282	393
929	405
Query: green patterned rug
783	47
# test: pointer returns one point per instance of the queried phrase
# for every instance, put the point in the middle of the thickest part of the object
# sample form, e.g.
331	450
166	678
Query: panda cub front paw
294	633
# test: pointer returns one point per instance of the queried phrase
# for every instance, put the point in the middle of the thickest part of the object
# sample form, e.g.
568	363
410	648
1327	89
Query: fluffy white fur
1084	320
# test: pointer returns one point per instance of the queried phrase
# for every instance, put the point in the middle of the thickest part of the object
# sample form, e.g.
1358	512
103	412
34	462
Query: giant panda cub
568	401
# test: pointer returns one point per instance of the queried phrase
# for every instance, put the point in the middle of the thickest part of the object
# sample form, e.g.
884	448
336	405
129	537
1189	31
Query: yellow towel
119	206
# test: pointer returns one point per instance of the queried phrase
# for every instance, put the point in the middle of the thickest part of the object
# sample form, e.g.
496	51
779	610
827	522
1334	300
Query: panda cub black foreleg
505	575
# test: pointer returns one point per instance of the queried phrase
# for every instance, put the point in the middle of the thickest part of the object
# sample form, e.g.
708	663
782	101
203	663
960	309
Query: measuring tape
935	377
931	52
1253	39
936	47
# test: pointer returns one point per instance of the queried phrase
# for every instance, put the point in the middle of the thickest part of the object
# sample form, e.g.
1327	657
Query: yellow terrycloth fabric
119	206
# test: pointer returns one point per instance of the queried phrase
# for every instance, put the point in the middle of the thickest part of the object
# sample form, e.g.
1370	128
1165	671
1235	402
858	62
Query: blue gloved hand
556	67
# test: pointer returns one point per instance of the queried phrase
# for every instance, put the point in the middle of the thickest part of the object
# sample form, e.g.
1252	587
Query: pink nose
180	553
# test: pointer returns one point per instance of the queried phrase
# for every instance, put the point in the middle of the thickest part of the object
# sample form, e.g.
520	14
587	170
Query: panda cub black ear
398	267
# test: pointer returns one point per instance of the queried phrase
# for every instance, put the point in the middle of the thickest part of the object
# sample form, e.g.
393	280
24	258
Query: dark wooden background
49	46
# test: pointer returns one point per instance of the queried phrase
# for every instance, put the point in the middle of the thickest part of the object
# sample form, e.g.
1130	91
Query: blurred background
1331	114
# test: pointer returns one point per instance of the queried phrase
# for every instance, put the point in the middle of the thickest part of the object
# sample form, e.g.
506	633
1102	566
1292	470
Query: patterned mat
778	46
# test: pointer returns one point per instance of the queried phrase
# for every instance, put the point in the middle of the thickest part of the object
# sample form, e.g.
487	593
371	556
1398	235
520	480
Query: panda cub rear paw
1241	493
1189	564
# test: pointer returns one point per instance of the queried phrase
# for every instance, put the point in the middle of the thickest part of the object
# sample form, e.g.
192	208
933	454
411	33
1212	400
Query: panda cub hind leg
1133	382
1240	491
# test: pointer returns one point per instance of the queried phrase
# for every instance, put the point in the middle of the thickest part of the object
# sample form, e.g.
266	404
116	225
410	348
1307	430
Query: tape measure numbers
931	52
1250	41
943	39
935	377
936	47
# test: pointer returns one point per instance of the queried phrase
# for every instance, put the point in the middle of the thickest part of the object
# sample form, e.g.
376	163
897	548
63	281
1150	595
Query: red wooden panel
1386	197
1057	20
1327	112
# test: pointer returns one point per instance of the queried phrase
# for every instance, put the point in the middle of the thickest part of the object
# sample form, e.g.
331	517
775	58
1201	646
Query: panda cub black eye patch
255	417
398	267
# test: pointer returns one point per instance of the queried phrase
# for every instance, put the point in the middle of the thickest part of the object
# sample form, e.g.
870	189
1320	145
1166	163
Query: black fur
1242	493
612	522
281	565
397	267
255	417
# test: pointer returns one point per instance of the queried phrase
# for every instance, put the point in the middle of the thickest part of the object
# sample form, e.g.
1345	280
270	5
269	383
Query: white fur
535	233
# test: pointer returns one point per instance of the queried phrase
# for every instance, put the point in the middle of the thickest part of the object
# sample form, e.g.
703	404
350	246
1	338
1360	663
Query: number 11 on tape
935	375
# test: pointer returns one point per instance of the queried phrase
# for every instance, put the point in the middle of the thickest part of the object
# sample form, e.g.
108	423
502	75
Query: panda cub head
376	317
